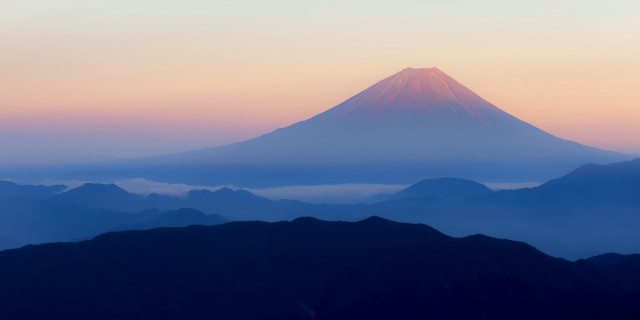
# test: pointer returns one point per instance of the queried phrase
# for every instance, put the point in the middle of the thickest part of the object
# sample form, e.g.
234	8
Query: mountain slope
305	269
615	184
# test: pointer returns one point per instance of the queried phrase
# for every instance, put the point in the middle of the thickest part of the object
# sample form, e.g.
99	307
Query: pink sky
137	78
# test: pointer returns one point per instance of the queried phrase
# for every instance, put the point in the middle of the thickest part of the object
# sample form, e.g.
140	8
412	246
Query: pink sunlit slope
427	90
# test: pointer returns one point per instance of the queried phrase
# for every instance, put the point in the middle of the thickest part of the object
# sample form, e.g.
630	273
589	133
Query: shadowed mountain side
305	269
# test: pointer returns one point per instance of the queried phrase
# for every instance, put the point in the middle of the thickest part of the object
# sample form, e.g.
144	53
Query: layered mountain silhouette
85	212
416	123
592	210
308	269
174	218
241	204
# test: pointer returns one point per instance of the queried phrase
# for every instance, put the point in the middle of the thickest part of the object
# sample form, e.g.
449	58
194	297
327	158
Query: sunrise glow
174	77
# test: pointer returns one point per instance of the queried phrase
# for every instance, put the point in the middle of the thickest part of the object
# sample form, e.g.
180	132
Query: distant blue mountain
10	189
593	209
24	221
589	211
242	204
616	183
444	188
179	218
99	196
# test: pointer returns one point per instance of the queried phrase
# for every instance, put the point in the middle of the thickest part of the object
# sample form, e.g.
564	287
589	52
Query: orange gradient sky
139	77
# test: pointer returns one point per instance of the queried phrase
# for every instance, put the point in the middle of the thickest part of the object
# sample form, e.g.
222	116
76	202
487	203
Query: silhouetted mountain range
10	189
99	196
589	211
241	204
177	218
26	220
306	269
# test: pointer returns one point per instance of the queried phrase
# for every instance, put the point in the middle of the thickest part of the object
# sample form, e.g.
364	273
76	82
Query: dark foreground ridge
308	269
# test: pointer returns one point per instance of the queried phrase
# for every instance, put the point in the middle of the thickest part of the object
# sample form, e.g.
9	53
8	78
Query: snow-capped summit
426	90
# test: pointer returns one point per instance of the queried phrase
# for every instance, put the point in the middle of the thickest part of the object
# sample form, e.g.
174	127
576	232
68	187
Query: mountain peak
420	78
416	92
420	70
417	72
94	188
445	188
424	74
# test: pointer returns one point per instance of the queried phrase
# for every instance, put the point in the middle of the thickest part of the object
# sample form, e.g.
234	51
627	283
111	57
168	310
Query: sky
113	78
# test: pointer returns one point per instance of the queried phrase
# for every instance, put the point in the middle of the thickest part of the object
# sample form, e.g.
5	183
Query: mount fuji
416	124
